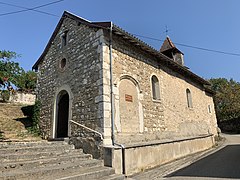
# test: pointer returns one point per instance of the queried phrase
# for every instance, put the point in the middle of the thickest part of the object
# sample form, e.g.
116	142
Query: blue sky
208	24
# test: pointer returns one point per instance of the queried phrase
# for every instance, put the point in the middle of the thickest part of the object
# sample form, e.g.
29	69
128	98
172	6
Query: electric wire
29	9
13	5
99	26
190	46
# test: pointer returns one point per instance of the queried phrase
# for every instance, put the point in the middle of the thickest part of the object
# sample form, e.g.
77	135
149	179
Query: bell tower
171	51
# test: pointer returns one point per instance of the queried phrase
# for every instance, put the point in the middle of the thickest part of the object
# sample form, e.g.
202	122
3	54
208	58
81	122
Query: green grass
1	136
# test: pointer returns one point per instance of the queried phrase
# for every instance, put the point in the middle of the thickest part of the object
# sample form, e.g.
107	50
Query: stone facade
81	78
153	97
168	117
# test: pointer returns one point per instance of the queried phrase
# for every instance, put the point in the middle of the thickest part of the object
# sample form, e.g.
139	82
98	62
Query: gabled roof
76	18
129	38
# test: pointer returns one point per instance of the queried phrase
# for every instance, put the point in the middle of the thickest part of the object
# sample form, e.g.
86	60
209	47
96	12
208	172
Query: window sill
156	100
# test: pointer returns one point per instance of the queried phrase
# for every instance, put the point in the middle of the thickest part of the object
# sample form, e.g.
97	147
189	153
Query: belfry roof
168	45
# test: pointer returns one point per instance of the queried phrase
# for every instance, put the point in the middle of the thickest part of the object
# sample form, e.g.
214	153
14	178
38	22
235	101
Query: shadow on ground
28	112
27	122
225	163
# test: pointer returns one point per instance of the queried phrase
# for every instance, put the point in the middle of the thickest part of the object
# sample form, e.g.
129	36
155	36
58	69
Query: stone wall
169	116
148	155
22	98
81	77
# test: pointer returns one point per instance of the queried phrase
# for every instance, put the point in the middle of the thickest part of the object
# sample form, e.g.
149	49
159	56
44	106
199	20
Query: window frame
189	98
155	88
64	39
62	64
209	109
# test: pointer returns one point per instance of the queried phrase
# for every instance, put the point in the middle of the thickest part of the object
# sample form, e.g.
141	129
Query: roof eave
151	50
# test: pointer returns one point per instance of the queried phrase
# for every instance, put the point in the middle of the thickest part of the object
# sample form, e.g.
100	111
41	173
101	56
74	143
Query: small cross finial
166	31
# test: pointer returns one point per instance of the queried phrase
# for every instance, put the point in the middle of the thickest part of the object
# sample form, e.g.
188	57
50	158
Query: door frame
55	109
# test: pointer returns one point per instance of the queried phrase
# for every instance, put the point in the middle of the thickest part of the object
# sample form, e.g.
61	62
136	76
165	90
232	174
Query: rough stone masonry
155	98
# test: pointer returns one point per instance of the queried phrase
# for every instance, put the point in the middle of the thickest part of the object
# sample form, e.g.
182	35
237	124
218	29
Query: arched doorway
62	115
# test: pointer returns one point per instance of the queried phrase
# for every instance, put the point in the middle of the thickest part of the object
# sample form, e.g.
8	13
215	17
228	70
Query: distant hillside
13	124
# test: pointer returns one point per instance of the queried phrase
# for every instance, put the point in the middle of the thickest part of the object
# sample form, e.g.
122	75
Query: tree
7	54
226	99
12	74
27	81
9	70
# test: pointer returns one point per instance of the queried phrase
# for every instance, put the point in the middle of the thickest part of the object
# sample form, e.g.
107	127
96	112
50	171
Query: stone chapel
119	99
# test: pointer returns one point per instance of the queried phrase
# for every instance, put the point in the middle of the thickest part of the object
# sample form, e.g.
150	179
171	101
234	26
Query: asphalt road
223	164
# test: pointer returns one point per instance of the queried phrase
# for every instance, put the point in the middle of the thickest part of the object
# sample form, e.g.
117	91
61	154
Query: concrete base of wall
135	158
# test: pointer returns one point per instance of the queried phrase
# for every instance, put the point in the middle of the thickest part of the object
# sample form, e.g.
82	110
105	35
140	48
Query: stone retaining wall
22	98
143	156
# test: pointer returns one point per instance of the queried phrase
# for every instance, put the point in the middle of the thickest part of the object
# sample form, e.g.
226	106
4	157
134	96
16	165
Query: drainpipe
112	102
111	85
123	157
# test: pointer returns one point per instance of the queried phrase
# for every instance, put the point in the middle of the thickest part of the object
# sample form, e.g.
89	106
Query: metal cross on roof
167	30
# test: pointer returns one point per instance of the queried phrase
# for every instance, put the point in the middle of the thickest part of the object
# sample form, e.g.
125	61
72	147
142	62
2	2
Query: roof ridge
170	42
76	16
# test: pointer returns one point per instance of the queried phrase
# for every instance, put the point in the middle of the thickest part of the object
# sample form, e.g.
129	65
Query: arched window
189	98
155	88
63	63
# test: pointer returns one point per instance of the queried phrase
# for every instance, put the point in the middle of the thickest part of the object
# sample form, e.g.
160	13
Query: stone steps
51	171
35	155
9	145
89	173
53	161
50	160
43	148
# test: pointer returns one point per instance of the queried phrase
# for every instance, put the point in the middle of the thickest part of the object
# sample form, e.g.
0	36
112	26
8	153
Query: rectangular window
189	98
209	109
64	38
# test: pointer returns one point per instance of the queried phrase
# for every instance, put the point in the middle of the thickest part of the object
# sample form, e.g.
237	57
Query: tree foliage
7	54
27	81
226	99
9	70
11	73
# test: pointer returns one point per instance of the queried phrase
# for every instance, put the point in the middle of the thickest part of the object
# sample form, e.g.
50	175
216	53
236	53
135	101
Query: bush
33	112
36	116
5	95
230	126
